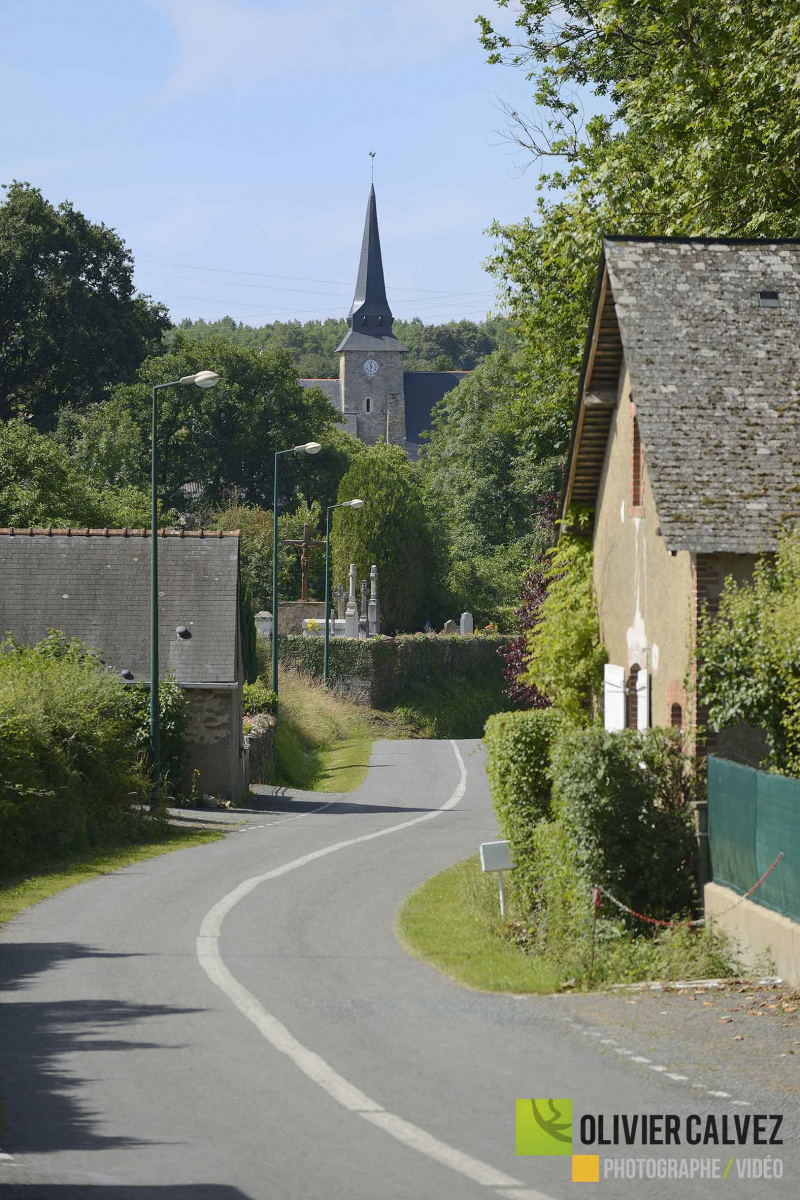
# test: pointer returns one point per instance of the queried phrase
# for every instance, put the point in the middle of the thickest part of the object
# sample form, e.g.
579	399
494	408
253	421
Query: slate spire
370	312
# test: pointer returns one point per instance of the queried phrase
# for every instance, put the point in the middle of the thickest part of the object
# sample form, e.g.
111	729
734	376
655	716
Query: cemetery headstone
450	627
351	612
466	625
373	608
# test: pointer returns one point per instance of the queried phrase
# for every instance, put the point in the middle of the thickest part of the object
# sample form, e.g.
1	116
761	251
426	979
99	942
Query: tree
255	544
70	320
40	484
490	469
223	438
701	137
392	531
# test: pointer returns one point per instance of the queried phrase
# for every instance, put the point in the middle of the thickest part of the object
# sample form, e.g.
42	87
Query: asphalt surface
159	1044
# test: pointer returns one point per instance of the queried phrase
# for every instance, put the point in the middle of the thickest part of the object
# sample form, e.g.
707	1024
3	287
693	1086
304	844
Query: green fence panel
753	817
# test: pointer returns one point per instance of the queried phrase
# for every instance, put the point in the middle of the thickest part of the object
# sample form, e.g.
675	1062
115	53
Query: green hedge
583	807
518	746
71	775
398	666
624	800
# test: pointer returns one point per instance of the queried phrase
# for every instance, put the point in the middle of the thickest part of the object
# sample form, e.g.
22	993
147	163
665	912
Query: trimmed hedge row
618	802
398	666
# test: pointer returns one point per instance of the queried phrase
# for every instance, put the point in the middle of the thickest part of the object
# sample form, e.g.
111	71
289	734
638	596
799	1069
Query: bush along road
238	1021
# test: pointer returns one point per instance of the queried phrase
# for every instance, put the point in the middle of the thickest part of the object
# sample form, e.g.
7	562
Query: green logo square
544	1127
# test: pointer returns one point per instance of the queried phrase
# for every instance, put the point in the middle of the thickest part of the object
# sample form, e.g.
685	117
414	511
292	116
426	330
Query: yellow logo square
586	1168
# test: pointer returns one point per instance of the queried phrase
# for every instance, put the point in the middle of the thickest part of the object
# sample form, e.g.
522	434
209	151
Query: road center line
310	1063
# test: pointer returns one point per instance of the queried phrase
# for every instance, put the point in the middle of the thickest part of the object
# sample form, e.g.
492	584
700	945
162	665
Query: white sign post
496	856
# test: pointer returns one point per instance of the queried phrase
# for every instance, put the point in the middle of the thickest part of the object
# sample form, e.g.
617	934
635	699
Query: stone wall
259	750
292	613
214	739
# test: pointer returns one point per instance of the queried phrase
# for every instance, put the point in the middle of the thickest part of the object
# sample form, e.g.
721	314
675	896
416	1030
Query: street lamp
307	448
331	507
202	379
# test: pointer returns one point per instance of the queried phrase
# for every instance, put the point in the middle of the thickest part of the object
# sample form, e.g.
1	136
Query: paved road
238	1022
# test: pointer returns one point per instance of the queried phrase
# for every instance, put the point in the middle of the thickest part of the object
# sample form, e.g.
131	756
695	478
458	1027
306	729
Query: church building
376	396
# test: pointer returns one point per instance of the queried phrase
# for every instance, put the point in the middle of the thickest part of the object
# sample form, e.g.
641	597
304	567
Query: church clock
371	367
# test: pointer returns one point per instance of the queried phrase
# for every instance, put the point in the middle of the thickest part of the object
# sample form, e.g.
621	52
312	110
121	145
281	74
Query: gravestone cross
351	612
341	600
308	543
373	608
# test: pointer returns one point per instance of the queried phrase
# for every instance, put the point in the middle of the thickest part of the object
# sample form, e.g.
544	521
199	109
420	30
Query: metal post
327	594
275	578
502	896
155	759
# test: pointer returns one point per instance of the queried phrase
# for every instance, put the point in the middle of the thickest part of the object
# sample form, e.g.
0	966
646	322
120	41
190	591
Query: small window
676	716
637	474
632	699
769	299
368	404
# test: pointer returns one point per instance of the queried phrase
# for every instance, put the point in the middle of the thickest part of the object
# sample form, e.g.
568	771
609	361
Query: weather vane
372	166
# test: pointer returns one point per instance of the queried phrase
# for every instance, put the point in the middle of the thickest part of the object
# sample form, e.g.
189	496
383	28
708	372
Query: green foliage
223	437
70	775
70	321
623	798
565	650
701	136
518	747
488	471
312	344
40	484
749	655
172	716
255	549
455	706
258	698
392	530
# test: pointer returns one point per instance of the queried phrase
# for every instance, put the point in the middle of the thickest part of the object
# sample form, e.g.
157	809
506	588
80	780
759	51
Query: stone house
686	447
94	584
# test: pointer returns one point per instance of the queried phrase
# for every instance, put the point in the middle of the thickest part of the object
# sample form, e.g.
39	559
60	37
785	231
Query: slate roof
370	318
715	378
95	585
424	389
331	387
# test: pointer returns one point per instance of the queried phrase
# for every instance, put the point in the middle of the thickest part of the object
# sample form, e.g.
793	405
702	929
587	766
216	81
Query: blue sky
227	142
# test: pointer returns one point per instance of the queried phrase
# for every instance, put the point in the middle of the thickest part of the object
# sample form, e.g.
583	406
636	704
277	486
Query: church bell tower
370	357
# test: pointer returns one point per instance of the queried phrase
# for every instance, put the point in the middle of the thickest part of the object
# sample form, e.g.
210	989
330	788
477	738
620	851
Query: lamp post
307	448
203	379
331	507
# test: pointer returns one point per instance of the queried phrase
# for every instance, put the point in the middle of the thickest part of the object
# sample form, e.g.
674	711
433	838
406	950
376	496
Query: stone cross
466	624
373	608
362	608
351	612
341	600
307	543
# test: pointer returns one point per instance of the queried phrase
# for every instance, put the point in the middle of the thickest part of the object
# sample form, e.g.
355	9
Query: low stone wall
259	750
292	613
759	932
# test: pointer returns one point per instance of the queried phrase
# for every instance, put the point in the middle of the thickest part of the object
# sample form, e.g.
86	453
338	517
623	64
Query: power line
296	278
294	311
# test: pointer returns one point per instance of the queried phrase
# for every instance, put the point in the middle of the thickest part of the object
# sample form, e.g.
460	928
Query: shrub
518	747
623	798
70	774
258	698
565	650
172	711
527	617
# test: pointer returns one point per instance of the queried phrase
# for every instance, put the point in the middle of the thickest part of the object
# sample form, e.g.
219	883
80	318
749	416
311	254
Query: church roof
370	318
423	390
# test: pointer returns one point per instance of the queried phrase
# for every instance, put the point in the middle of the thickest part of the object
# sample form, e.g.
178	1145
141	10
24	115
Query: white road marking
678	1078
658	1068
638	1058
722	1095
310	1063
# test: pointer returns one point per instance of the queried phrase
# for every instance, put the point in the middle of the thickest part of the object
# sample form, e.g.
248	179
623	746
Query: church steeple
370	318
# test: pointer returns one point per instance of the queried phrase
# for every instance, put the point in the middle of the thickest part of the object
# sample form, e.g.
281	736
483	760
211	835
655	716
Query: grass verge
322	740
453	922
21	892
